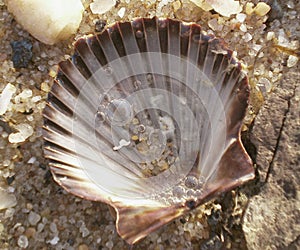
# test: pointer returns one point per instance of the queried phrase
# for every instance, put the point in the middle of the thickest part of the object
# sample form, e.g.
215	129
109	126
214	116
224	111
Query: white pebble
23	241
53	227
33	218
25	130
262	9
101	6
25	94
5	97
247	37
7	199
243	28
241	17
121	12
84	231
292	61
9	213
109	244
270	35
225	8
48	21
40	227
31	160
36	98
54	241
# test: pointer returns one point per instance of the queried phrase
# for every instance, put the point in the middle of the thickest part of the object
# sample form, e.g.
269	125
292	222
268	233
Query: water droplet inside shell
119	112
191	182
100	117
178	191
141	128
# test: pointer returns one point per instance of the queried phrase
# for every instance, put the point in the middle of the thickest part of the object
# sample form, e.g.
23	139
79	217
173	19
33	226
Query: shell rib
146	117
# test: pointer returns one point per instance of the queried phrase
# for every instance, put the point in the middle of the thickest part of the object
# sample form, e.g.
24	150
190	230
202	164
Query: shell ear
134	223
235	168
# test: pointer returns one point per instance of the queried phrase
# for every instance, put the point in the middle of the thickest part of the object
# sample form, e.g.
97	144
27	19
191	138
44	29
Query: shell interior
146	117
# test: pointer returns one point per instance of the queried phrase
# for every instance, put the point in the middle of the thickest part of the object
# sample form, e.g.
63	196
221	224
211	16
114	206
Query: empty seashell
146	117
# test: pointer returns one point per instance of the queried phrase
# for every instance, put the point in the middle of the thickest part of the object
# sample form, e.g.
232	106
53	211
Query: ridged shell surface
146	117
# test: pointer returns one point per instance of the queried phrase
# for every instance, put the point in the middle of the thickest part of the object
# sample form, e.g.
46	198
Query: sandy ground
38	214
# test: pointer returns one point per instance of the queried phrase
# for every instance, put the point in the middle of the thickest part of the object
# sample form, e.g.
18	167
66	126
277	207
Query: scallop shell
146	117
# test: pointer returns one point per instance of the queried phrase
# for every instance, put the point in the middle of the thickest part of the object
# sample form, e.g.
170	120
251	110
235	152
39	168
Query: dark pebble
22	53
100	25
276	10
214	243
10	179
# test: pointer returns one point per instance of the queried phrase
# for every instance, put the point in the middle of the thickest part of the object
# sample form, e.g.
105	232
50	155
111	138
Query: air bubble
119	112
191	193
141	128
100	117
178	192
191	182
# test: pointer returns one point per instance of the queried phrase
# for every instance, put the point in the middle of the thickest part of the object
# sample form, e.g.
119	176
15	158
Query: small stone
53	228
176	5
30	232
241	17
22	53
100	25
40	227
9	213
225	8
262	9
5	97
249	9
25	130
264	85
292	61
84	231
101	6
276	10
7	199
54	241
121	12
23	241
214	25
202	4
247	37
57	20
270	35
109	244
33	218
243	28
23	96
45	87
290	4
31	160
52	73
83	247
36	98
